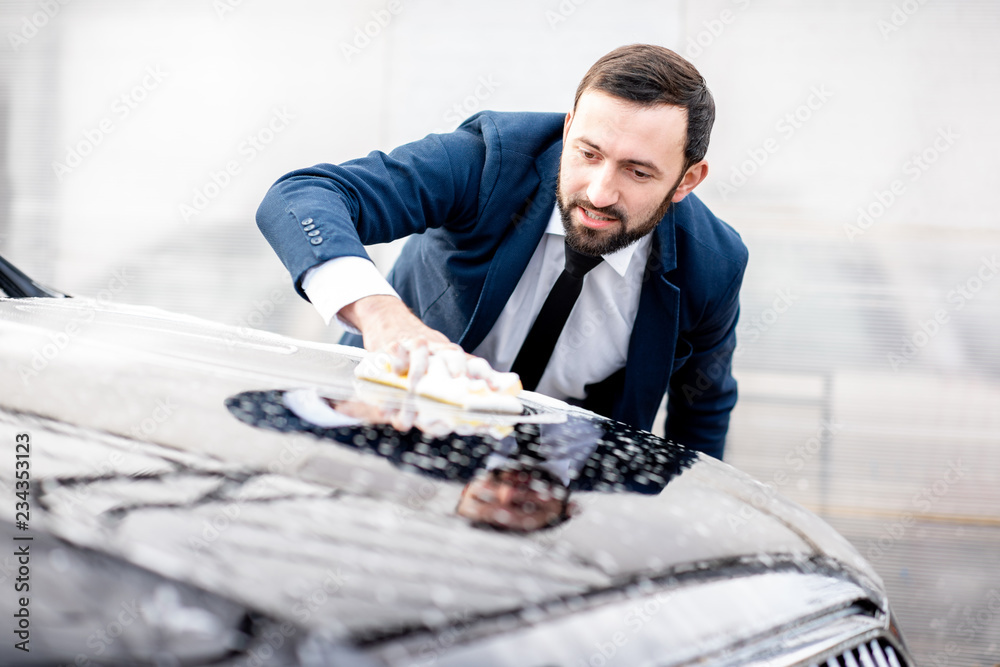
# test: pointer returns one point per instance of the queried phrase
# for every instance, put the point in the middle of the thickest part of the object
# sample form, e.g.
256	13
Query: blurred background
853	150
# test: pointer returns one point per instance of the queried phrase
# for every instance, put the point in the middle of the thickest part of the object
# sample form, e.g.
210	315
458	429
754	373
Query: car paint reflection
518	478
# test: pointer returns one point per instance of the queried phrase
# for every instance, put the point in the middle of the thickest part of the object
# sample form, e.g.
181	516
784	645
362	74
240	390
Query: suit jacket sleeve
702	393
375	199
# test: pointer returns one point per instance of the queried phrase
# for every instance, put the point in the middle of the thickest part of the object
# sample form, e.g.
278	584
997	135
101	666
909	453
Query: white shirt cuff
340	282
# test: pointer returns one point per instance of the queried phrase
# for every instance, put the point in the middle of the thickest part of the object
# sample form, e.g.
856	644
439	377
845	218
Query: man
494	209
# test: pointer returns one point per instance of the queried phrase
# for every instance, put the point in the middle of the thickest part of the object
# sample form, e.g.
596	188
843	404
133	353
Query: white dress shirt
593	343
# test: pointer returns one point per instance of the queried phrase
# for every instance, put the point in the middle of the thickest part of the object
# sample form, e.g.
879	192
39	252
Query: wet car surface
204	494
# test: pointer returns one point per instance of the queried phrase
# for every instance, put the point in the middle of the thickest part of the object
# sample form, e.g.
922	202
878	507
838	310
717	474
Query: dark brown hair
648	75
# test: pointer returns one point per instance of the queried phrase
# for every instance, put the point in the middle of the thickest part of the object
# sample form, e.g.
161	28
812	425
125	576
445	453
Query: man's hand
384	320
388	326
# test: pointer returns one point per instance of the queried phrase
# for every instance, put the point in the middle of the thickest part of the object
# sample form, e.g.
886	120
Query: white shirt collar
618	260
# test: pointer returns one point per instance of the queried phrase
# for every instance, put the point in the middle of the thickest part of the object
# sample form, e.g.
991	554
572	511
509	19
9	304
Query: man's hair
649	75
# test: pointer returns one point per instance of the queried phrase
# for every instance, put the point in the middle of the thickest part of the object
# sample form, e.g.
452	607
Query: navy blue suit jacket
476	202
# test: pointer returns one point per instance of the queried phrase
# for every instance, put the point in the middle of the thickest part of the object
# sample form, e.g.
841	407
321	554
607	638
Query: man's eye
588	155
641	175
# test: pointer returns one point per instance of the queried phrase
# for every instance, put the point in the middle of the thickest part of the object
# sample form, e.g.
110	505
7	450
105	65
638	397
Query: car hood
144	454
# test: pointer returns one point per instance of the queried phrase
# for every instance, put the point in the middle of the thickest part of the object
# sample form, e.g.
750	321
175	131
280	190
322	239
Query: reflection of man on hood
516	498
526	482
521	482
530	476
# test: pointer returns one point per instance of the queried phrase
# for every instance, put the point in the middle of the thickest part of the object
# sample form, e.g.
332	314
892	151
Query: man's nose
603	190
505	494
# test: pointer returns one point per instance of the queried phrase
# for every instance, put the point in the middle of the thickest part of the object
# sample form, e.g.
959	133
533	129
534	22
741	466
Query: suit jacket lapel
525	229
654	334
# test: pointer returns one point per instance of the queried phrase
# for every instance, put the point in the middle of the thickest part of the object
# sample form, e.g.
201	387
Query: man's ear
694	175
566	123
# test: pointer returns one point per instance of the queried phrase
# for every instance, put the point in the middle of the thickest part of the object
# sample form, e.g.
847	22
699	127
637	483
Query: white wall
893	83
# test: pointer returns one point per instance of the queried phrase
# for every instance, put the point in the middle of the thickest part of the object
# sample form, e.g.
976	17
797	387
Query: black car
201	494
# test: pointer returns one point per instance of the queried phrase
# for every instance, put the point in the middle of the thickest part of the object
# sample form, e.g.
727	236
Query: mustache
608	211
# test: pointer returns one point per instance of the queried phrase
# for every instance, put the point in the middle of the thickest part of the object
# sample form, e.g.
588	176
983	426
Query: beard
596	242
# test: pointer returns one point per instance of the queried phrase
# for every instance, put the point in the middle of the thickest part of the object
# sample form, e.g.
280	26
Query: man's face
622	165
513	500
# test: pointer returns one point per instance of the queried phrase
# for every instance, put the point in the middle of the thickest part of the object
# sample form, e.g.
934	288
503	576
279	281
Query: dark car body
179	514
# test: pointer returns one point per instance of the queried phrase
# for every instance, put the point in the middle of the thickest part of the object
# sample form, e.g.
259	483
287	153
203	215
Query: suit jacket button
307	221
316	240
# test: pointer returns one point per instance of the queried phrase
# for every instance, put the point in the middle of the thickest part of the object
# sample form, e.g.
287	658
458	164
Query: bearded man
566	247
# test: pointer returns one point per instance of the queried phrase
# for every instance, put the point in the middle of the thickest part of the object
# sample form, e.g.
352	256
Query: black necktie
537	347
